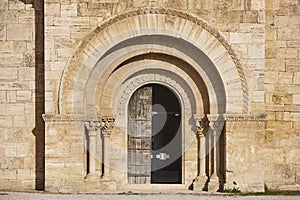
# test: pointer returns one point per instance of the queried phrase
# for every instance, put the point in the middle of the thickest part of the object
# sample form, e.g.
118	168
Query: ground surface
135	196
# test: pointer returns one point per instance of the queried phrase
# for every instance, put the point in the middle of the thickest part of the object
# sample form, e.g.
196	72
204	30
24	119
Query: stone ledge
70	117
245	117
238	117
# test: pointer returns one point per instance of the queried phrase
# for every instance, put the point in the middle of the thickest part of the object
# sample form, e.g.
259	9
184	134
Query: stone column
201	179
107	125
93	128
216	125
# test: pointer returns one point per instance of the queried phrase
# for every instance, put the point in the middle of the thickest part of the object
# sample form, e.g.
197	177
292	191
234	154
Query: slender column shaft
215	138
107	125
106	150
92	152
202	156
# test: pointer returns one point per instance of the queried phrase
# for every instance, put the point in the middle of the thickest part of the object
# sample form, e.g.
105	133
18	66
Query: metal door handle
162	156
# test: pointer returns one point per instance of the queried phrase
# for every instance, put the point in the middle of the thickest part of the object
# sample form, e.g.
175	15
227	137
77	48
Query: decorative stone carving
107	124
146	78
202	125
92	127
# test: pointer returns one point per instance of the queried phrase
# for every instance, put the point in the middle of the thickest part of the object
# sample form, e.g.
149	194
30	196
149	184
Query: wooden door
139	136
154	136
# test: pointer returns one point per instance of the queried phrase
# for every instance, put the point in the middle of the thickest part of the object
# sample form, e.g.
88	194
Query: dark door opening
166	162
154	137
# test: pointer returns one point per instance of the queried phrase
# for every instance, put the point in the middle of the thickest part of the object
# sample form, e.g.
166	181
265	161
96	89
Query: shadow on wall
39	130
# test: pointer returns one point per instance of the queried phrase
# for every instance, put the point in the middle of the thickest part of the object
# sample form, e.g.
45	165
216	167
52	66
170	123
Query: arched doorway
154	136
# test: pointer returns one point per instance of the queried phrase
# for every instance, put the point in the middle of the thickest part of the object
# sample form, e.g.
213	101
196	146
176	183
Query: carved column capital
216	123
202	125
92	127
107	124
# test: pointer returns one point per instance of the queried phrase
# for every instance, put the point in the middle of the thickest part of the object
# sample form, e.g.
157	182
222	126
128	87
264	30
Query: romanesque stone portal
100	95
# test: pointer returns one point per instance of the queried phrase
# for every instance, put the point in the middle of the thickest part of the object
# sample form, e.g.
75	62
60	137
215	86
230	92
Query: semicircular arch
190	30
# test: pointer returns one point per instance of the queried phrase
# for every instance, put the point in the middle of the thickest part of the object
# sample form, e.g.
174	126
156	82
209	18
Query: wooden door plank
139	136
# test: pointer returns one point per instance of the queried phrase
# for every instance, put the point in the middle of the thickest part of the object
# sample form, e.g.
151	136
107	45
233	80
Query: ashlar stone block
240	37
16	5
5	121
256	50
4	5
258	5
24	95
9	174
8	73
6	46
295	32
2	96
272	4
52	9
69	9
296	78
19	32
288	53
258	96
2	32
296	99
24	174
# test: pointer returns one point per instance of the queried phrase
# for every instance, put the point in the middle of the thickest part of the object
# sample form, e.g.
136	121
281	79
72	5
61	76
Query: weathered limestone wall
245	155
282	87
21	95
66	157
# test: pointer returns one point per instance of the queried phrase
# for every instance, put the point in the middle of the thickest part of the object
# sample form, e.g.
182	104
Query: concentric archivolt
88	50
194	19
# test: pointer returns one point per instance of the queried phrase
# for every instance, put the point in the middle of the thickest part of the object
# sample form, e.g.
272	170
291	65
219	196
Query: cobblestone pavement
135	196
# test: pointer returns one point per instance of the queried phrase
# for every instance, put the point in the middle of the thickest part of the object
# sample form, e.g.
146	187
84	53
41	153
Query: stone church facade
100	95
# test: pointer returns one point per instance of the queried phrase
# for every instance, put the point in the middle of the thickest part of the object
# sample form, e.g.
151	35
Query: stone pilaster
216	125
92	127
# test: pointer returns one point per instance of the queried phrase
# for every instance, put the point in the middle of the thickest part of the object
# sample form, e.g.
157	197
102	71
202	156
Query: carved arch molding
99	43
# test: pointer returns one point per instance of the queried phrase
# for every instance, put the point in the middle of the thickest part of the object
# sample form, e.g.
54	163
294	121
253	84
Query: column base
214	185
108	185
92	176
200	183
104	178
